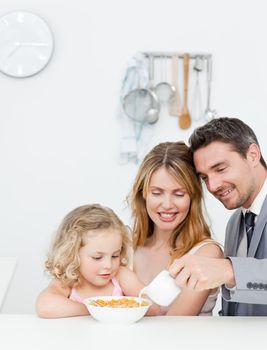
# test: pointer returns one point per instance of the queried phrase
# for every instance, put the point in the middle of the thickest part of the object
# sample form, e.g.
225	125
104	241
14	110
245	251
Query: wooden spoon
184	117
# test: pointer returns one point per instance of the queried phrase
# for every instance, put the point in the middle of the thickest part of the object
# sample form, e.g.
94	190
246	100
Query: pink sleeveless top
117	291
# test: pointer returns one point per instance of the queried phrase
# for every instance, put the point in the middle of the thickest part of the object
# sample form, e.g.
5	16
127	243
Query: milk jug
162	289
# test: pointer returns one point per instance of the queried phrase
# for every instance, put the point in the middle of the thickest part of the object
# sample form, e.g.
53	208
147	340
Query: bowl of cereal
117	309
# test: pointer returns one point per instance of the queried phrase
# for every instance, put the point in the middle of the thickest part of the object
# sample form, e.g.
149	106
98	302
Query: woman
166	202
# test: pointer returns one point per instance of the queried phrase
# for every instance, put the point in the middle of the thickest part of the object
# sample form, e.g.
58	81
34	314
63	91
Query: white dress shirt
254	208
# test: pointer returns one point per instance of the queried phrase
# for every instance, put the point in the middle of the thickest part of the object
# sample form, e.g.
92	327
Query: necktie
249	224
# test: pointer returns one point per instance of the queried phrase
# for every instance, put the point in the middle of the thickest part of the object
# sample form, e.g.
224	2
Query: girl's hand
155	310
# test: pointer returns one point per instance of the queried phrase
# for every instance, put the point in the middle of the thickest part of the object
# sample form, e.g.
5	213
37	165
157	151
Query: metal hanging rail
160	54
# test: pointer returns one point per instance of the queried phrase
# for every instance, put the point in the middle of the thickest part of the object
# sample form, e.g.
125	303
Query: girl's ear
254	154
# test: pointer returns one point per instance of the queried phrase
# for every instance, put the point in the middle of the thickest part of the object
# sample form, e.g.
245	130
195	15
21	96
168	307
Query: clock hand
33	44
17	45
25	44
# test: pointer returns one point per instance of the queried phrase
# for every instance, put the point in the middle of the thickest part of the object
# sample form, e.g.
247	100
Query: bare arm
131	286
53	302
190	301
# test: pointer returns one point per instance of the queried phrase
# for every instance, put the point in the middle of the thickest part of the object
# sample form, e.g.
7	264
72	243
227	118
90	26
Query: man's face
227	175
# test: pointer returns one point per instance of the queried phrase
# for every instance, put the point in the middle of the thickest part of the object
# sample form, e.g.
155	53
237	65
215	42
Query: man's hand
200	273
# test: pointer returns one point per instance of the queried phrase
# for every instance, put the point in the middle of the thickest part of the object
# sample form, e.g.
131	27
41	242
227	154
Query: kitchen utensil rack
133	147
160	54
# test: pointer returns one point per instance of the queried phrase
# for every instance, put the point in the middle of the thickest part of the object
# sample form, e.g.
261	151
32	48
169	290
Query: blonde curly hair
63	257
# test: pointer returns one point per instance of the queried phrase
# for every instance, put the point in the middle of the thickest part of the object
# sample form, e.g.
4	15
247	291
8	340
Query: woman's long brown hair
176	158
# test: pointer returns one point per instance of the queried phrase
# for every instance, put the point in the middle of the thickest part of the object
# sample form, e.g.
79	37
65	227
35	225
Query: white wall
59	134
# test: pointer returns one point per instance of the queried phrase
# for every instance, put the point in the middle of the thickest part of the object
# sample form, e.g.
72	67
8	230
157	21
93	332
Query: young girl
87	258
166	204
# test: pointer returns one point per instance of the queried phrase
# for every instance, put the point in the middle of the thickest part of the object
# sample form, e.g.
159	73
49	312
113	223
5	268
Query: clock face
26	44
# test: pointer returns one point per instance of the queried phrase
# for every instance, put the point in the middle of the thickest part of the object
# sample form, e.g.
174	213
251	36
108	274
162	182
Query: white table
165	333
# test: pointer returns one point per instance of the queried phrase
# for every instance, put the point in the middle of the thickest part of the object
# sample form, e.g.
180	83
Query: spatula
175	103
184	117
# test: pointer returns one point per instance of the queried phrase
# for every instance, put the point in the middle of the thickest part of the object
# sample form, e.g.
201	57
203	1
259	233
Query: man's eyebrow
214	166
217	165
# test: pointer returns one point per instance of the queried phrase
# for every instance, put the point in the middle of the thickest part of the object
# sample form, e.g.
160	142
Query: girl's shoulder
209	248
56	286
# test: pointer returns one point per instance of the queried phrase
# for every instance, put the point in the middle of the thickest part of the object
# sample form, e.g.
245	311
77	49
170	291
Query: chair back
7	268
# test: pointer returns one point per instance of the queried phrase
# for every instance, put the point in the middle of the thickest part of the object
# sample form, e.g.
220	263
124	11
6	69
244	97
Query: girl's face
100	256
167	202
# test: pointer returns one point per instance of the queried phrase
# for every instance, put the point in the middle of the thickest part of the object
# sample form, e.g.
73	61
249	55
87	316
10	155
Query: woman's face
167	202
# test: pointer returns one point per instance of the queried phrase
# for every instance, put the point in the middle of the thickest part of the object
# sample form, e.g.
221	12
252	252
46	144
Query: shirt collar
258	201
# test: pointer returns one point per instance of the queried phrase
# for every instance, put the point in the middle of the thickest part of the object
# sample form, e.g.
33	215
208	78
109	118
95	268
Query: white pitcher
162	289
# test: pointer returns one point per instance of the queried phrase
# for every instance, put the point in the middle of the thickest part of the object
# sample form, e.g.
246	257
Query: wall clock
26	44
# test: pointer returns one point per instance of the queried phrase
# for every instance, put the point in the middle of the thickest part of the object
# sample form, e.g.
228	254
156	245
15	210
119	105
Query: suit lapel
231	247
258	230
231	243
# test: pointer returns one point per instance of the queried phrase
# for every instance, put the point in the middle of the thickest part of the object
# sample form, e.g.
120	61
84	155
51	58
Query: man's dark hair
228	130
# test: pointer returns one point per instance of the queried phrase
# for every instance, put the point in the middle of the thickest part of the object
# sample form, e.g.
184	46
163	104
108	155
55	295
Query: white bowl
116	314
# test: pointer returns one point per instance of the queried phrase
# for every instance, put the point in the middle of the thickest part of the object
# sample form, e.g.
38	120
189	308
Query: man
228	159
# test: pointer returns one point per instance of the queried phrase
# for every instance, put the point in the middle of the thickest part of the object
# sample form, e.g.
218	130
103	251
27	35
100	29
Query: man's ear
254	154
